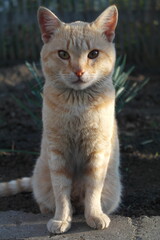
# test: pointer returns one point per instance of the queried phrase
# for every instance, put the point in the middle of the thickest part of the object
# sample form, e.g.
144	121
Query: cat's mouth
79	81
79	84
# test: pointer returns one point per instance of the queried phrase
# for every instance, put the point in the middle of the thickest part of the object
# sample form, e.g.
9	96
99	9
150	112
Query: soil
139	129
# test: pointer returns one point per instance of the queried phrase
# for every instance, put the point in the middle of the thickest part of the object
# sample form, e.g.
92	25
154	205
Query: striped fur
15	186
79	161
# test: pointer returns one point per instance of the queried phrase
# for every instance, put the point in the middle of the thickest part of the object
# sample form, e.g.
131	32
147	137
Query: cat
79	160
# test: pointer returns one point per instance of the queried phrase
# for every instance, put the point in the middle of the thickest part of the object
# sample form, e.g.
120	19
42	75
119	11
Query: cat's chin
79	85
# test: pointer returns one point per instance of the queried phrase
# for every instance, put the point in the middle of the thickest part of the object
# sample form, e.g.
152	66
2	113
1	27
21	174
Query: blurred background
138	33
138	50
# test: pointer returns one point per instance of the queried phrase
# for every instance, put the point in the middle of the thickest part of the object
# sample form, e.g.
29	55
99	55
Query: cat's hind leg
111	193
42	187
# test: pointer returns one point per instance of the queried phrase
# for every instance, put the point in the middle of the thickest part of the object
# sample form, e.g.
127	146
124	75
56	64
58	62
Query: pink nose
79	73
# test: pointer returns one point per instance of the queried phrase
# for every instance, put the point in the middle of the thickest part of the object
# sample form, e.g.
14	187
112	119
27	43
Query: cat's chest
80	118
77	120
79	129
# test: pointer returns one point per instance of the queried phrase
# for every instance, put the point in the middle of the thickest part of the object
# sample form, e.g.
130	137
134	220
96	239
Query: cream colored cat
79	160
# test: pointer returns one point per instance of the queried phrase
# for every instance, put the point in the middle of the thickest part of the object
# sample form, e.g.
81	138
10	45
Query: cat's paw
100	221
57	226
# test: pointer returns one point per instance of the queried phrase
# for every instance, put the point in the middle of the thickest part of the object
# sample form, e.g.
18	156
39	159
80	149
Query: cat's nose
79	73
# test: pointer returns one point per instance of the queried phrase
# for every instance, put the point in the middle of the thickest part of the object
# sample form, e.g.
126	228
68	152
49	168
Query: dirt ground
139	129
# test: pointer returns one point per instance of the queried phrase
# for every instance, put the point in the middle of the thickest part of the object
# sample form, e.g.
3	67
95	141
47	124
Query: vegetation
36	91
126	89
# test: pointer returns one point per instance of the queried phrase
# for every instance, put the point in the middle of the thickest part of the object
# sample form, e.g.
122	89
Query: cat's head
79	54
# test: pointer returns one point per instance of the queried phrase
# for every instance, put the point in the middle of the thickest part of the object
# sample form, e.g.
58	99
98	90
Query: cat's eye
63	54
93	54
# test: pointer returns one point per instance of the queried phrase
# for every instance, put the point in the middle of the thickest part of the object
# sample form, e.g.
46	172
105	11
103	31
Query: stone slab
16	225
148	228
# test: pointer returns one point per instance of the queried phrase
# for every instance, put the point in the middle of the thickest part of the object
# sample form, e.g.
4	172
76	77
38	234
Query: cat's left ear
107	22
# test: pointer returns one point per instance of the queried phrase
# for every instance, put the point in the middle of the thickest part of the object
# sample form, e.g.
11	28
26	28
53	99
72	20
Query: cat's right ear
48	23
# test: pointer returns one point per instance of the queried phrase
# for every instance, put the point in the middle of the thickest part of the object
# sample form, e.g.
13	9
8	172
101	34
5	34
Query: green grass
36	99
126	90
10	151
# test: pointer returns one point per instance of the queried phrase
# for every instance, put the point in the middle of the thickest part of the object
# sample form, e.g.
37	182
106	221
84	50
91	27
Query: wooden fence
138	31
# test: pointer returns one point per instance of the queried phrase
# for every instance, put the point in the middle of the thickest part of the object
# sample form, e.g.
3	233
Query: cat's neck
102	88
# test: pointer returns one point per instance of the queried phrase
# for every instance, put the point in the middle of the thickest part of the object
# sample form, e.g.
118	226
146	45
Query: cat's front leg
95	174
61	183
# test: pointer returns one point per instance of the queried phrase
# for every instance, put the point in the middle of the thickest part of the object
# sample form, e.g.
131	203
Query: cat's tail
16	186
